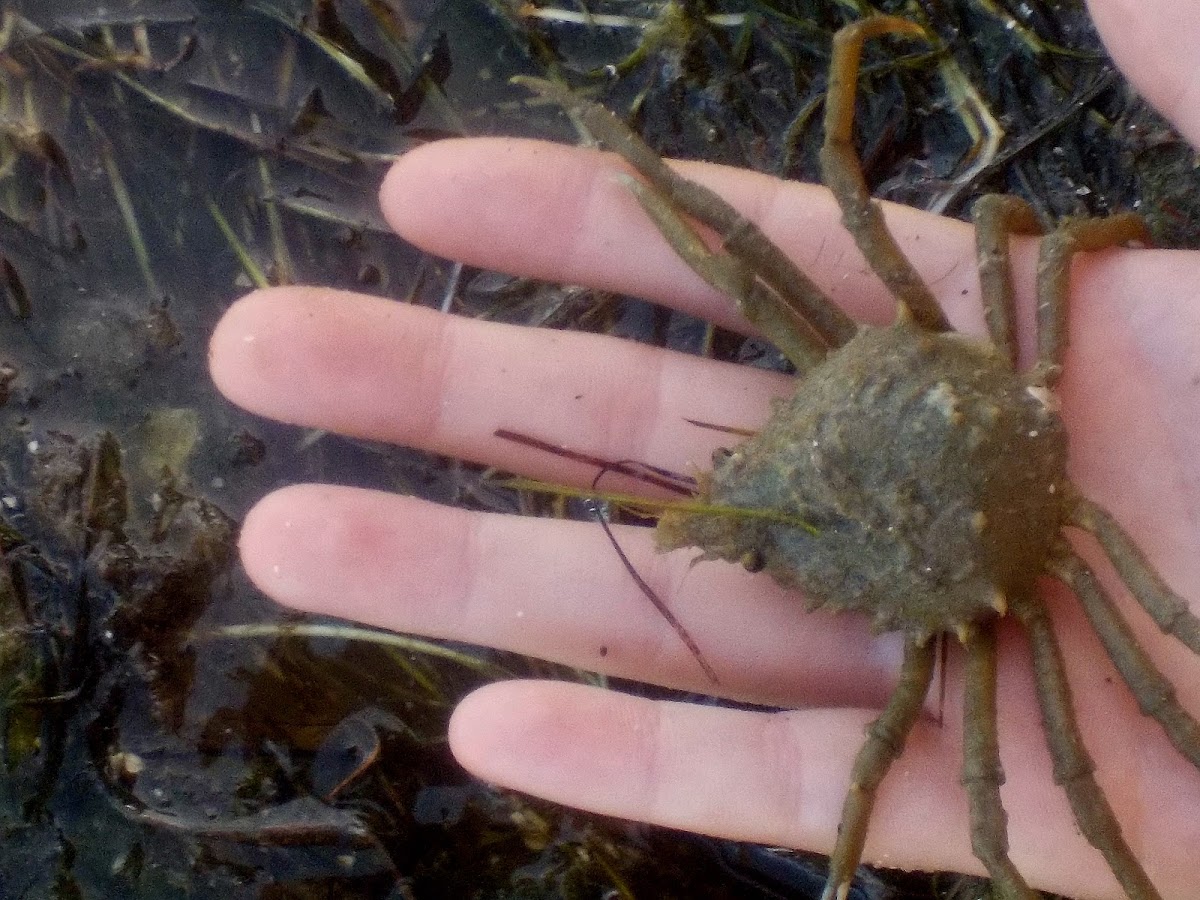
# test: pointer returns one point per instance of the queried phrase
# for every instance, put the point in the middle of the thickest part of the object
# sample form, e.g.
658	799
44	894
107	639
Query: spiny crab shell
933	477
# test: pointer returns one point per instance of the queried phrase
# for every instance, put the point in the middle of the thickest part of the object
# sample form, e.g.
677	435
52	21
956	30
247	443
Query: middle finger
377	369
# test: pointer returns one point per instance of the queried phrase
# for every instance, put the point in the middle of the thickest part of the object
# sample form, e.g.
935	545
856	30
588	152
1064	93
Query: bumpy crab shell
917	476
932	476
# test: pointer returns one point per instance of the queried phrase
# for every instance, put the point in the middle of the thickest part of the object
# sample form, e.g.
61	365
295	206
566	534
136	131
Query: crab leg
1054	272
982	774
1155	695
741	237
885	741
842	171
1170	611
757	302
1073	766
998	217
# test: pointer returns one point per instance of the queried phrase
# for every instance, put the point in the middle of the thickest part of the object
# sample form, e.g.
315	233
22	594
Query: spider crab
929	469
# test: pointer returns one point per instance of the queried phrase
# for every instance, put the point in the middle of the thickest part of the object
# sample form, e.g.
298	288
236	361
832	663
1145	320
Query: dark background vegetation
164	730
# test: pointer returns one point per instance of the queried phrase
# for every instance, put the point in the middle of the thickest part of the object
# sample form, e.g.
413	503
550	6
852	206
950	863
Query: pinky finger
767	777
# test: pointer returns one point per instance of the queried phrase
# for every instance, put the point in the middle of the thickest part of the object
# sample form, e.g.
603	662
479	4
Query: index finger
561	213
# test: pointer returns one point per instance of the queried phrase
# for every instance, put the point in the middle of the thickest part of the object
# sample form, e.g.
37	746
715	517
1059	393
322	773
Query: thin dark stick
663	478
724	429
663	609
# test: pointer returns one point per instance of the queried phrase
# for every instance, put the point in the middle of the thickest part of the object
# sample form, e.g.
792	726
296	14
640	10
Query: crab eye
720	455
752	561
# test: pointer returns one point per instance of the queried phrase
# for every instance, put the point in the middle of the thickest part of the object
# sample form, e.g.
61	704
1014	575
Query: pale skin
382	370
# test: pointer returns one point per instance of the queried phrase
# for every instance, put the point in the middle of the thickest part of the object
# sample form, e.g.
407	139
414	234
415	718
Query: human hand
385	371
